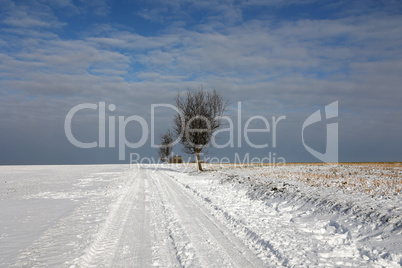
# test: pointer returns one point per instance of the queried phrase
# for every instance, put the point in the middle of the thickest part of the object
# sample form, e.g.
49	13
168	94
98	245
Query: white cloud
288	58
282	68
33	16
276	2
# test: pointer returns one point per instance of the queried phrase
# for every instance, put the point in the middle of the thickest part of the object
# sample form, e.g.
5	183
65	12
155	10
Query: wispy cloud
282	66
29	16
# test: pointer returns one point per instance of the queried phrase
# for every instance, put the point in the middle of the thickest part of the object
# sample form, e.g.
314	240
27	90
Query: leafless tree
166	146
200	114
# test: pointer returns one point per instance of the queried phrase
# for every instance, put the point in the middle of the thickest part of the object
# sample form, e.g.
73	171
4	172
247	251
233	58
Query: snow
228	216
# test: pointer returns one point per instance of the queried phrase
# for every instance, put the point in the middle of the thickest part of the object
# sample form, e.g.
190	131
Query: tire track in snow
260	244
134	248
104	248
214	244
180	243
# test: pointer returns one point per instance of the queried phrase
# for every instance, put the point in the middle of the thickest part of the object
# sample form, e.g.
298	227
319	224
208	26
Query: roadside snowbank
290	221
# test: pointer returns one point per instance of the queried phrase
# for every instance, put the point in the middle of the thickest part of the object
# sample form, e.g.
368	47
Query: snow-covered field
229	216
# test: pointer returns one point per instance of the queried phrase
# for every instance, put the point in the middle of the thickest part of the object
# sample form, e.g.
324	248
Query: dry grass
371	178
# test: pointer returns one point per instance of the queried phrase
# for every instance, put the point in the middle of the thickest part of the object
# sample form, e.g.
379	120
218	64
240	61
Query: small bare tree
199	116
166	146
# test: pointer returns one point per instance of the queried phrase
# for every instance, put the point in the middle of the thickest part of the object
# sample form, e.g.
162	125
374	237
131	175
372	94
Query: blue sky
276	57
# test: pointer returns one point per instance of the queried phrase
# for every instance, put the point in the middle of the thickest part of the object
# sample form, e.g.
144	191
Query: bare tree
166	146
200	114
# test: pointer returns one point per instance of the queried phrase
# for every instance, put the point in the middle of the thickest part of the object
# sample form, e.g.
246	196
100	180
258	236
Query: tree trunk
197	154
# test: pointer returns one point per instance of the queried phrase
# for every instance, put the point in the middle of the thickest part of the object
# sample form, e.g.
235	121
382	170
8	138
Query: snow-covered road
126	218
156	223
157	216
